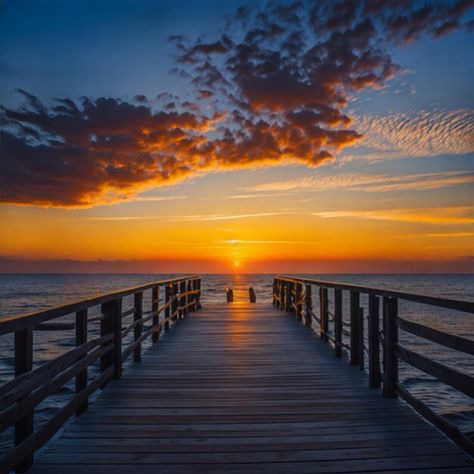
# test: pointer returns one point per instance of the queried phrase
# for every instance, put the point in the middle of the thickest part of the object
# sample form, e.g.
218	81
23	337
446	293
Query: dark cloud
278	88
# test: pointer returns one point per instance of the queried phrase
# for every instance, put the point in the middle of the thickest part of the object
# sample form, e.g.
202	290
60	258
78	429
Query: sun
236	264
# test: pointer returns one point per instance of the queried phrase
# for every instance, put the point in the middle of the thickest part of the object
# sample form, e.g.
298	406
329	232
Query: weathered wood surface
247	388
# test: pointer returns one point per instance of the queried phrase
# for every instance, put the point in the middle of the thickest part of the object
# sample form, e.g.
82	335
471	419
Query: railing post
354	315
390	372
323	308
137	331
168	289
112	323
282	296
24	363
299	303
155	302
175	303
361	338
189	298
182	299
374	346
338	321
288	297
81	338
308	303
274	292
198	305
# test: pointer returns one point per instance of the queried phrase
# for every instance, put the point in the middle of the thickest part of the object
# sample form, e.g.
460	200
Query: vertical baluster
354	315
111	323
361	338
288	297
390	372
199	293
81	338
182	299
374	346
174	305
24	363
323	313
137	331
155	302
168	290
338	321
308	306
299	303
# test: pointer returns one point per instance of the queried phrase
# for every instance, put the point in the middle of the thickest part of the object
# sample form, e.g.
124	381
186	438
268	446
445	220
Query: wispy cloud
371	183
415	134
435	215
451	234
189	218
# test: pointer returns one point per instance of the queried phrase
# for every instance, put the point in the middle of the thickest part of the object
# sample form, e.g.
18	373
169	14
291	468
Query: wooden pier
237	387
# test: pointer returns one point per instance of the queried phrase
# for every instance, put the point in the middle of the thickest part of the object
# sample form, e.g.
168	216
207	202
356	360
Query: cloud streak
371	183
438	215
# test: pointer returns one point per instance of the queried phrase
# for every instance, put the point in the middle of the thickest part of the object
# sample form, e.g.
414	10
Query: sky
209	136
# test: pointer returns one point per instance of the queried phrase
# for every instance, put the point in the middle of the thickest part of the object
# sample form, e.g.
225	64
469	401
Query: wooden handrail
20	396
17	323
286	297
458	305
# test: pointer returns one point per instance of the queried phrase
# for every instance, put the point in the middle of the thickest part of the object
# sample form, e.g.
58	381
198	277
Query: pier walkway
246	388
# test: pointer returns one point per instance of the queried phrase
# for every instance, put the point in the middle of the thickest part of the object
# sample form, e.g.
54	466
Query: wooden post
252	296
361	338
24	363
324	315
175	304
112	323
390	372
338	321
81	338
274	292
194	288
288	297
198	305
298	301
155	302
168	290
354	315
229	295
190	298
182	299
282	295
308	303
374	346
137	331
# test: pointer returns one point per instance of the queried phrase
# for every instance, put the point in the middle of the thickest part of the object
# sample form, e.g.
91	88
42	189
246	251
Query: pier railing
116	343
293	295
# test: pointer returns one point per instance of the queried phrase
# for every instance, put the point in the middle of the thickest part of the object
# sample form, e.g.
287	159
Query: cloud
370	183
269	92
189	218
424	133
436	215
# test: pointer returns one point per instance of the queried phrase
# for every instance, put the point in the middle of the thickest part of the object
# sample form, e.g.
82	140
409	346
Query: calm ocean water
21	294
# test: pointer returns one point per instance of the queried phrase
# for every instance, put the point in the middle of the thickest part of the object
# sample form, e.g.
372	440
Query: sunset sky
216	136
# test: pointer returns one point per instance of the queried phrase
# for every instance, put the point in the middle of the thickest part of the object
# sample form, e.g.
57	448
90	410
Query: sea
22	294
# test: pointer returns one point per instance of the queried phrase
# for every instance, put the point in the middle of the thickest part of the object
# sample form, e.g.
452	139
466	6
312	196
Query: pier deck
246	388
